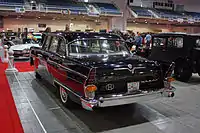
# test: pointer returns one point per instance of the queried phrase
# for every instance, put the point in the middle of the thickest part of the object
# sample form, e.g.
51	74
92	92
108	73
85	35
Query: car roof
87	35
176	34
171	34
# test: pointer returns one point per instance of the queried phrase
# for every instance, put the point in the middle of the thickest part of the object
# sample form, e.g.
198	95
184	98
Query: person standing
148	43
148	40
67	28
48	30
138	40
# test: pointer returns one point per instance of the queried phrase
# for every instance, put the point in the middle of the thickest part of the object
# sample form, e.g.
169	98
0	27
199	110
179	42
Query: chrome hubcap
63	95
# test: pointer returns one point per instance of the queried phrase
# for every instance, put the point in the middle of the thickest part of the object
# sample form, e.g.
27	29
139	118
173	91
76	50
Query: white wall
14	24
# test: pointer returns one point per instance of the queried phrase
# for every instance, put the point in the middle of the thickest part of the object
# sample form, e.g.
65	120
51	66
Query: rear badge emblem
130	66
110	87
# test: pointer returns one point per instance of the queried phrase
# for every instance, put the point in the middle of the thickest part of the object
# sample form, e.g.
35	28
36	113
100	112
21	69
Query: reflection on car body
97	70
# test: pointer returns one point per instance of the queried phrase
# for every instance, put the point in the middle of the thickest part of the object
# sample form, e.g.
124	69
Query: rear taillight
90	87
90	91
91	77
170	79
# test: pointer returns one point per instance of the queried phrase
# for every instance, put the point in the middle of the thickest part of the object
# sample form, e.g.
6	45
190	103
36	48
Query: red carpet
24	66
9	119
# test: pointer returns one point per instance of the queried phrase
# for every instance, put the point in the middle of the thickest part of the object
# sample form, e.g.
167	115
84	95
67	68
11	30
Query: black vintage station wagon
98	70
181	48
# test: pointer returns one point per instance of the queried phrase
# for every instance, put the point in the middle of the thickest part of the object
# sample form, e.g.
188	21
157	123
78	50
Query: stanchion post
1	53
5	59
11	66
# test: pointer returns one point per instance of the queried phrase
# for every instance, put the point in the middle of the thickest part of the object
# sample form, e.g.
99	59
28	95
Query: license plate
132	86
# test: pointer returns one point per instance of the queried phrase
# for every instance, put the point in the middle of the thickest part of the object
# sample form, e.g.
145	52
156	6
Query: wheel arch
181	60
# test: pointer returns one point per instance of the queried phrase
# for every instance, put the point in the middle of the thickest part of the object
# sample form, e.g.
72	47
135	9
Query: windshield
98	46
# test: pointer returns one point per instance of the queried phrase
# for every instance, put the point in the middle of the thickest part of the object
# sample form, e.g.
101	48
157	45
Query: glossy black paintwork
71	36
74	71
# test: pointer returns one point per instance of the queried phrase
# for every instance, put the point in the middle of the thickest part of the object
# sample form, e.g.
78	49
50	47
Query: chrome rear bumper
115	100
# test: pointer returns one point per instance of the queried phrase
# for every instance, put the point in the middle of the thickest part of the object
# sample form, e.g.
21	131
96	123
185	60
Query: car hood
23	46
115	61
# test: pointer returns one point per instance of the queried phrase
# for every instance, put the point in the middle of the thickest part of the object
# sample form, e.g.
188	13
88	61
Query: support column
120	23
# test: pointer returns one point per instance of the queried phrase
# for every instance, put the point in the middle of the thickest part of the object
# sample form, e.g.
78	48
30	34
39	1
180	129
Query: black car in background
181	48
98	70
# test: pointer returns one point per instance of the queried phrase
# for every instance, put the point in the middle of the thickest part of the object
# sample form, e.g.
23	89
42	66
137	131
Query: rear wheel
64	97
183	72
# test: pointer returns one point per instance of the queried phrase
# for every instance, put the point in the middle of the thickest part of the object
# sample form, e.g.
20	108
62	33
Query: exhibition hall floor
40	111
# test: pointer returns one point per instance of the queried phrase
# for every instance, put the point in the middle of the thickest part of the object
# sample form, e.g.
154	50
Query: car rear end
111	87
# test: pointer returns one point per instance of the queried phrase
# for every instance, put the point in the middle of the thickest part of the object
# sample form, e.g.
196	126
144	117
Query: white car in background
37	36
21	51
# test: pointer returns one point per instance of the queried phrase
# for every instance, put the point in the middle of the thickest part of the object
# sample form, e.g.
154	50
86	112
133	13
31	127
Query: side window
175	42
62	48
159	42
78	47
54	44
47	42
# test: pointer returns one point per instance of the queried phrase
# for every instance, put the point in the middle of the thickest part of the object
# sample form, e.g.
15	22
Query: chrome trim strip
149	81
128	98
122	100
76	80
117	97
59	65
66	88
66	68
120	69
